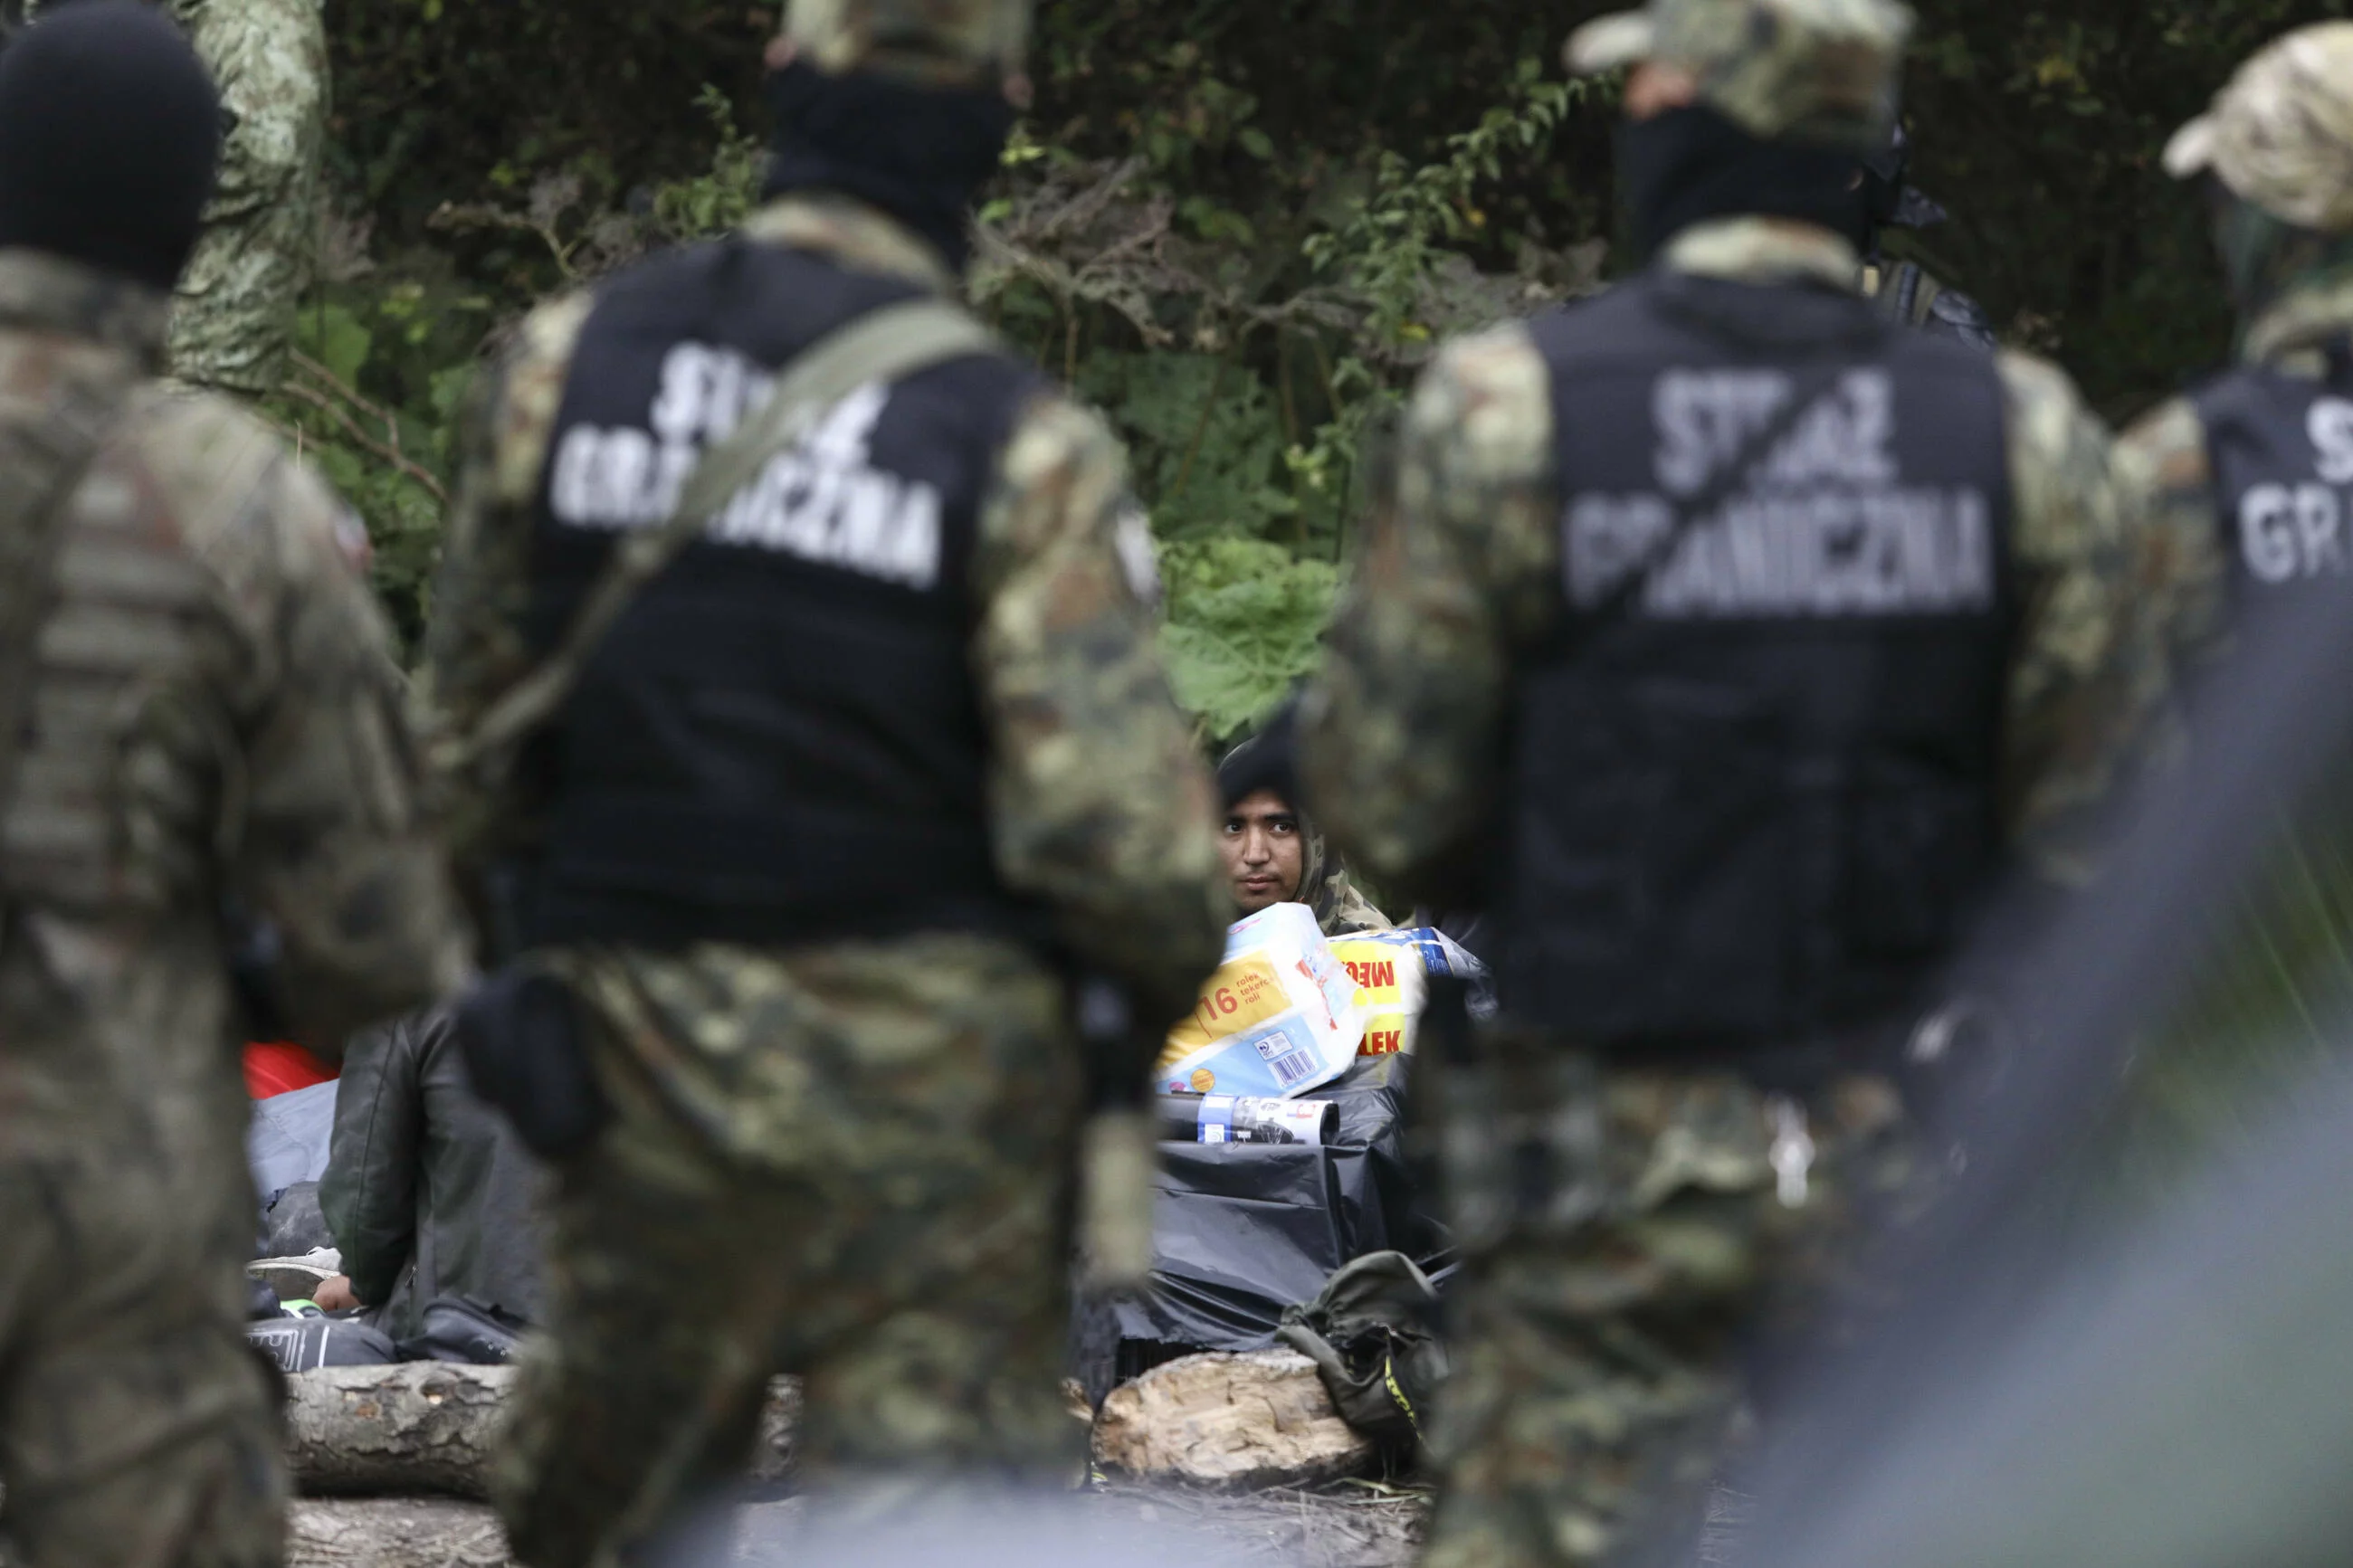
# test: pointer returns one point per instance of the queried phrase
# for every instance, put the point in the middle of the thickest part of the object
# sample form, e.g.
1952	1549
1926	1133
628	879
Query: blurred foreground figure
2179	1396
1737	635
2247	483
796	867
197	703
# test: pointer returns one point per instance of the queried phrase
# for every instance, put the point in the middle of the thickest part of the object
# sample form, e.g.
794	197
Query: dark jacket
427	1191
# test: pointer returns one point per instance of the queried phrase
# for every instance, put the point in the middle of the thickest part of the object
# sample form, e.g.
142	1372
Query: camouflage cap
937	43
2281	135
1812	70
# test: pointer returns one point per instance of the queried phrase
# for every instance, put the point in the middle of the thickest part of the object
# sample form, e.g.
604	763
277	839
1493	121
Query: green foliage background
1239	226
1236	226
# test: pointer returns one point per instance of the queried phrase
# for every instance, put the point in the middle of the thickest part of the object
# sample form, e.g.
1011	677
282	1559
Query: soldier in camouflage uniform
1716	639
1905	290
233	324
210	712
886	754
2242	487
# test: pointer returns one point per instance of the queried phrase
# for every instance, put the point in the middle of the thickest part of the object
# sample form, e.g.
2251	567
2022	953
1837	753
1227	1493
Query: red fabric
275	1070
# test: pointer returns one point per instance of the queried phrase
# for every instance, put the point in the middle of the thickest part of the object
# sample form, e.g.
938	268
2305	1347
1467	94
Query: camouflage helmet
1825	71
2280	136
936	42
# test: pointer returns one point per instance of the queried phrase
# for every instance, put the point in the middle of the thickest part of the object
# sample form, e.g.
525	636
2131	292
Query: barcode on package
1287	1061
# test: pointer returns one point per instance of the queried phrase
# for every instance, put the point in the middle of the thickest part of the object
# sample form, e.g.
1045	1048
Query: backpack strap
883	345
42	464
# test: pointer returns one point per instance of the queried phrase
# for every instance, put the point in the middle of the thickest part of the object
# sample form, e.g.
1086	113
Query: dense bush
1236	225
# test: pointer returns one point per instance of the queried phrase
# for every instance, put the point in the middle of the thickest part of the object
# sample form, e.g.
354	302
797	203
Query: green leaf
1246	621
339	341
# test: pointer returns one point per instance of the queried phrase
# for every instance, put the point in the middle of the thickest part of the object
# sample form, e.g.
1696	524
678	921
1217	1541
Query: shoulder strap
41	465
888	344
1925	292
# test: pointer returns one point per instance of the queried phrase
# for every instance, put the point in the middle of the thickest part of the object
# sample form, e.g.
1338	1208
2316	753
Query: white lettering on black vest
823	500
1823	526
2291	531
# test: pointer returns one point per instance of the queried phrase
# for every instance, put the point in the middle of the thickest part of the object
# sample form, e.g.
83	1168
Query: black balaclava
1689	165
920	154
110	134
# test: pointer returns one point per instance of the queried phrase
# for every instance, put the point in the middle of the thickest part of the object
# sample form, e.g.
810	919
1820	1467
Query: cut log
426	1429
1238	1423
421	1429
393	1532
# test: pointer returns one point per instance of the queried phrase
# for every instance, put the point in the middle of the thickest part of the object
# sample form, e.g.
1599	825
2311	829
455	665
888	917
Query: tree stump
1235	1422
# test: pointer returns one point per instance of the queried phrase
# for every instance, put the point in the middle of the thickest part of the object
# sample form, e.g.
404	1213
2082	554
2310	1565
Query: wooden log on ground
428	1428
421	1429
1238	1423
393	1532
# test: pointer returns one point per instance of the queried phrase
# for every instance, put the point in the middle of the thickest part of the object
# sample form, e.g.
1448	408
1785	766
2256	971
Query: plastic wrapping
286	1141
1277	1020
1223	1119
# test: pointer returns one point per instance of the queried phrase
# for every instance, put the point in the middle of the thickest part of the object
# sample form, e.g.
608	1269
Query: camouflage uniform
2281	140
214	714
852	1160
1622	1225
1324	886
233	324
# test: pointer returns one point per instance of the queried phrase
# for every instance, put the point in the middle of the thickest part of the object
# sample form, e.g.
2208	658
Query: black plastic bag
1243	1231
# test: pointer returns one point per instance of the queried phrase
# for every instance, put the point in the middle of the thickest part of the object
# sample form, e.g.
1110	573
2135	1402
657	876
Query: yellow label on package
1277	1019
1391	984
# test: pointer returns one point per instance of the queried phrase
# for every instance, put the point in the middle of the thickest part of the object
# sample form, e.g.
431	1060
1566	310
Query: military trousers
853	1166
1628	1235
137	1430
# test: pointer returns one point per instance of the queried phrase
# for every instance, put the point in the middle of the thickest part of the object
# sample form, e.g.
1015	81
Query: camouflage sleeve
234	320
2166	483
1401	737
1102	808
2087	675
328	843
475	646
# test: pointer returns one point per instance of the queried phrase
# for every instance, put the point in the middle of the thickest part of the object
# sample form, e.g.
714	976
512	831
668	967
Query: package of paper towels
1277	1019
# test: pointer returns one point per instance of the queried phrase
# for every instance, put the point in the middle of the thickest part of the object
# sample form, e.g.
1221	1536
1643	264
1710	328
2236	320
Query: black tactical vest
779	740
2282	451
1754	769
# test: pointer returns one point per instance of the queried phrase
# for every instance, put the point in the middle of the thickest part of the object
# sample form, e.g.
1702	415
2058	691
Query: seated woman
1273	853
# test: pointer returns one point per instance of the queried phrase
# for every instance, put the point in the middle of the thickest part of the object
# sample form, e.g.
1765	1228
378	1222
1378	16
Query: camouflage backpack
1373	1336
